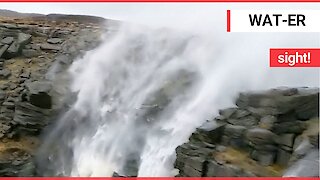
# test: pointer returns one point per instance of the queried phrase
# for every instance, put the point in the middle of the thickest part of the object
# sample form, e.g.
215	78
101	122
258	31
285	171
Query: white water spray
143	92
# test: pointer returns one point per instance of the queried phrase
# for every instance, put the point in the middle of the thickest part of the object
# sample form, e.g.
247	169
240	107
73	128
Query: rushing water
141	94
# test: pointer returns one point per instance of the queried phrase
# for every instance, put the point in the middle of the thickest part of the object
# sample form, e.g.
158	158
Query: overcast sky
152	13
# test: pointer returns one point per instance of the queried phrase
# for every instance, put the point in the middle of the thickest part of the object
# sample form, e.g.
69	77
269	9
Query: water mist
142	93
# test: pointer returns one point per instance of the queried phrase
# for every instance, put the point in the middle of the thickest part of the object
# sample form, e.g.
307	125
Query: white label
274	21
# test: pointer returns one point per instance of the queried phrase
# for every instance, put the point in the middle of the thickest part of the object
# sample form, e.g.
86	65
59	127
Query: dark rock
50	47
9	105
286	140
39	93
3	49
308	107
266	158
210	136
190	172
261	112
283	157
30	119
196	163
25	74
296	127
55	41
234	131
260	136
247	121
227	112
240	113
280	100
60	33
265	147
227	170
7	40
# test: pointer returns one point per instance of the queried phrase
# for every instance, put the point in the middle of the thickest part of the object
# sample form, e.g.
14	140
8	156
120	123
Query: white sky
152	13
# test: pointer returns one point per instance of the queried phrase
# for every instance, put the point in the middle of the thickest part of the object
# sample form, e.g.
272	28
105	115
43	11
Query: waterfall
141	94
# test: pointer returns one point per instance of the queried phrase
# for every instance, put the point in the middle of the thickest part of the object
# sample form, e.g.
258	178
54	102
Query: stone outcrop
29	51
265	134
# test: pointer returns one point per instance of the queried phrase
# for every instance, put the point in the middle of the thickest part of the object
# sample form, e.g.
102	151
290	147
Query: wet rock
227	112
38	93
29	118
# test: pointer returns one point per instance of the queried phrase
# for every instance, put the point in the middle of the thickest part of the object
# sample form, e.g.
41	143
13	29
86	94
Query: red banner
294	57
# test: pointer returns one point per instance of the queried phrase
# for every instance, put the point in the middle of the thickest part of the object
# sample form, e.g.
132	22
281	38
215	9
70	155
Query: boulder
29	53
30	119
265	158
196	163
286	140
296	127
283	157
3	49
234	131
247	121
260	136
50	47
210	136
13	50
39	93
54	41
7	40
5	73
227	112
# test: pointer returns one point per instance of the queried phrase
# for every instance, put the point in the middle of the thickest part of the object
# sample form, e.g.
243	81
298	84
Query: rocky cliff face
265	134
31	52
